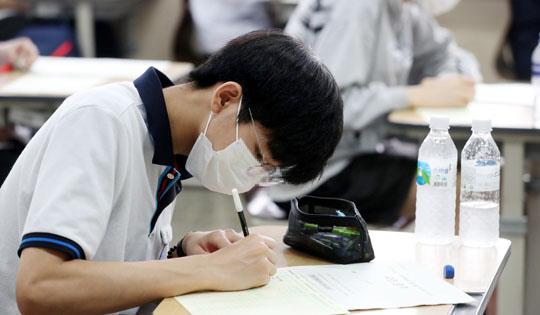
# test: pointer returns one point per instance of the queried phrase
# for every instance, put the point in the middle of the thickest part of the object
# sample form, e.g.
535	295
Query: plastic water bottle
436	185
535	81
480	182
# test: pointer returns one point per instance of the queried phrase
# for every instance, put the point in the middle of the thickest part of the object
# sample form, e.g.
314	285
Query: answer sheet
332	289
285	294
380	285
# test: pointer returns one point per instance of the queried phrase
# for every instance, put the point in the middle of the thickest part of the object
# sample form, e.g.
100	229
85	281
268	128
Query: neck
188	109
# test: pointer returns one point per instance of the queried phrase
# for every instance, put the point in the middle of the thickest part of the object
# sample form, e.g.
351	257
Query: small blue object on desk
449	272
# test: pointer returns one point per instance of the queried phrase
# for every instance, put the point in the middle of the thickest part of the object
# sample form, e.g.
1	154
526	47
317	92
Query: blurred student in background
385	55
207	25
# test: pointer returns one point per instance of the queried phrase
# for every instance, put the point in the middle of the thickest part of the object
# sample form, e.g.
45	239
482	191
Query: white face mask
438	7
223	170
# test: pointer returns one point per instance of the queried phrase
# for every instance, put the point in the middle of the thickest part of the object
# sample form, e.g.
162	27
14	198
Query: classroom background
496	32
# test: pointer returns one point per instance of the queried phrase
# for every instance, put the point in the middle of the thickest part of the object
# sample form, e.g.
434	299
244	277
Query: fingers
272	268
269	268
272	256
233	236
268	241
218	239
261	247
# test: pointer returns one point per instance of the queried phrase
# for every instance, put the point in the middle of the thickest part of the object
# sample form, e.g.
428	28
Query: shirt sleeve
364	104
345	43
76	183
435	51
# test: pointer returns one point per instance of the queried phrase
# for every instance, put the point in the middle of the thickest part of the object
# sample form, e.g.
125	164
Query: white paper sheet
501	115
94	67
381	285
286	294
508	105
505	93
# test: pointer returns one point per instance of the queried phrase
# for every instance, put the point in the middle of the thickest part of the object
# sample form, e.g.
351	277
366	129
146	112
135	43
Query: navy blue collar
150	86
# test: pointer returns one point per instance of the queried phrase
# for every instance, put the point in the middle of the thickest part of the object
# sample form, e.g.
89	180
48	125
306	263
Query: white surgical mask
438	7
223	170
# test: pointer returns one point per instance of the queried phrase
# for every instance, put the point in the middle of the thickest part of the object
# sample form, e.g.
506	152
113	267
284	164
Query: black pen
240	211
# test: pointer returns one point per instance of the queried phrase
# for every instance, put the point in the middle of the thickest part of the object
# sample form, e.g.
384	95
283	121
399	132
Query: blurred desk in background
511	109
51	80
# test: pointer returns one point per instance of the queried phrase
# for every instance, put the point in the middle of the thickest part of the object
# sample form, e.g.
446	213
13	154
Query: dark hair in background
289	92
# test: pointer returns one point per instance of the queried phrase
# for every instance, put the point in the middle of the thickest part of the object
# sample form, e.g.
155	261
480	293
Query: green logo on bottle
423	173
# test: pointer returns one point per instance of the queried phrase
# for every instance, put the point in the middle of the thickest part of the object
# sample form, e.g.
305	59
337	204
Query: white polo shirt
97	182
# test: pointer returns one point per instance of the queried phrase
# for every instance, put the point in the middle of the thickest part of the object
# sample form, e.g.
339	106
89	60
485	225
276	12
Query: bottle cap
439	122
449	272
481	125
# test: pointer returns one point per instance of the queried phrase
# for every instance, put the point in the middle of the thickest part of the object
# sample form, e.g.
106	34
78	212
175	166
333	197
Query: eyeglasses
271	175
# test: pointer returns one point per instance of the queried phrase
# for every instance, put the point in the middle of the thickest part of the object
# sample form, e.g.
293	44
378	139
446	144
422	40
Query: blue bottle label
435	173
423	173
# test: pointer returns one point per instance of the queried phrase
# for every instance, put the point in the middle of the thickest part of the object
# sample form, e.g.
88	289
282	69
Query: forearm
87	287
363	104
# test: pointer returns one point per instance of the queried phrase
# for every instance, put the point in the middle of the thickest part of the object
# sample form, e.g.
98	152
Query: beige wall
152	29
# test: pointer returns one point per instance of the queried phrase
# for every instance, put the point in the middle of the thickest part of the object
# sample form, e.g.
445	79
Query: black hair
290	93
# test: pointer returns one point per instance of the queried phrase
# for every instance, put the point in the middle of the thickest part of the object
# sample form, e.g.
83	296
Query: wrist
181	250
178	250
207	273
185	275
413	95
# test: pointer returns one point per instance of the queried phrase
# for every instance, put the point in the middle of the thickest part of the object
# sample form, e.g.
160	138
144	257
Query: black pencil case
329	228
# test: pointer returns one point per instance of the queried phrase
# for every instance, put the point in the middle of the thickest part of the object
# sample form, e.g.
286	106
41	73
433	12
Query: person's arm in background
440	67
20	53
435	51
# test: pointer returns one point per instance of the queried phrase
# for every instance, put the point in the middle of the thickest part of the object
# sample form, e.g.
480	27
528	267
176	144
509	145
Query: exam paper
501	115
505	93
508	105
285	294
380	285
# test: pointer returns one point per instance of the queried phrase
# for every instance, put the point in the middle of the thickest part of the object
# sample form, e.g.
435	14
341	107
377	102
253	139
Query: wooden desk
477	270
511	109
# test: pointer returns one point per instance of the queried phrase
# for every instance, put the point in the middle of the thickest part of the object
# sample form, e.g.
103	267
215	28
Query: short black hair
290	93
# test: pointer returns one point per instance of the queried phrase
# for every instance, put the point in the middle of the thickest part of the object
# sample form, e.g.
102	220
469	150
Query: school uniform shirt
97	182
374	49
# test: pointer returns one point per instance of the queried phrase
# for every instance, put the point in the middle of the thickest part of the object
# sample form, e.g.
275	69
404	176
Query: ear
226	94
